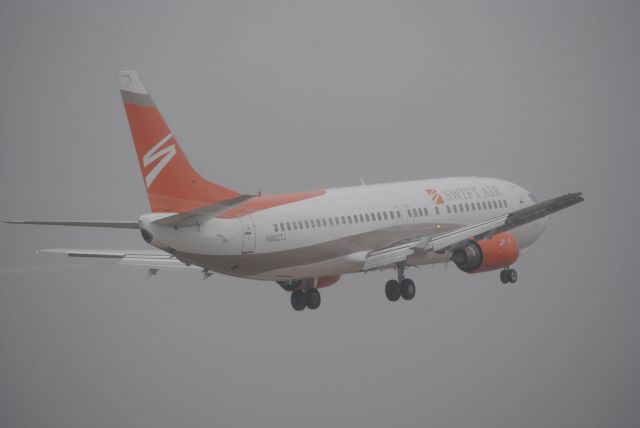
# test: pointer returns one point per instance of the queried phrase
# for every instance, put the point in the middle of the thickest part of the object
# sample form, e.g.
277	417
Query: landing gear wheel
312	298
511	275
392	290
503	277
298	300
407	289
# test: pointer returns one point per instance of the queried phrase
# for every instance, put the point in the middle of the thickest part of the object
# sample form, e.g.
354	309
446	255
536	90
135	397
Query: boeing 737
305	241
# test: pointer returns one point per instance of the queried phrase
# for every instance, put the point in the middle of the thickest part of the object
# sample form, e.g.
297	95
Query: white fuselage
332	232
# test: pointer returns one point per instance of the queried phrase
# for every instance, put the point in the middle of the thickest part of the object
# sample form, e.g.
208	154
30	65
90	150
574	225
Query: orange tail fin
172	184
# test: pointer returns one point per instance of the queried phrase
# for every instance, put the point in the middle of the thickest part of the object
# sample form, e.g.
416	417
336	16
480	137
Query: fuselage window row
386	215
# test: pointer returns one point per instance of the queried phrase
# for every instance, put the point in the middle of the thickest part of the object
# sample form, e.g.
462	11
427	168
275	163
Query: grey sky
285	96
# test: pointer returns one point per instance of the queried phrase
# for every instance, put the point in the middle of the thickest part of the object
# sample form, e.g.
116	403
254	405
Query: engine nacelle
499	251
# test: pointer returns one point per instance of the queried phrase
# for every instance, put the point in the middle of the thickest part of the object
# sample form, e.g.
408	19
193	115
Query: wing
150	259
447	241
109	224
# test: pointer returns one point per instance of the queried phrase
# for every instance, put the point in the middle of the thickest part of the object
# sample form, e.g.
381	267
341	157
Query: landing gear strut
403	287
508	276
301	299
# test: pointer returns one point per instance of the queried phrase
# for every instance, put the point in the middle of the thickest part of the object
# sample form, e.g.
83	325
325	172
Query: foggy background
286	96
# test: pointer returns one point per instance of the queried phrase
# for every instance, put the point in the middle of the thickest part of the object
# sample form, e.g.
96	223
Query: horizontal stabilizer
151	259
109	224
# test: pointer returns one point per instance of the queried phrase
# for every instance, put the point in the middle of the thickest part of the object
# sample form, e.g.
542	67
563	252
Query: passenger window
409	213
275	227
344	220
391	215
324	222
306	224
495	204
330	221
415	212
437	210
337	221
282	227
461	208
448	209
373	217
505	203
367	217
288	226
484	205
466	207
295	225
355	218
349	218
398	213
425	211
313	223
455	208
300	224
384	214
379	216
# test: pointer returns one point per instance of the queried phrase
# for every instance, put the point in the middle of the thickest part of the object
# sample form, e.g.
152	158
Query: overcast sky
286	96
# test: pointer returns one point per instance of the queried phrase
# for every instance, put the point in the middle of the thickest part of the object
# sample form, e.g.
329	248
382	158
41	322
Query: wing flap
390	256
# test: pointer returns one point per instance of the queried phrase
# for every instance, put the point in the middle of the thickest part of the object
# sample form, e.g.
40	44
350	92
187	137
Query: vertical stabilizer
172	184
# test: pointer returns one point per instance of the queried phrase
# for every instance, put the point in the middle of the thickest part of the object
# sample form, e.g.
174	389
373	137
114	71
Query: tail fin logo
165	155
436	196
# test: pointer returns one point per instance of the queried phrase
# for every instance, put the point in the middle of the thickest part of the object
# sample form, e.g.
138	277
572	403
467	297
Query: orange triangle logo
436	196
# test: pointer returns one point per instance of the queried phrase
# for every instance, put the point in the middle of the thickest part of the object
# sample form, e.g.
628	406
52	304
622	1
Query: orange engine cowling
501	250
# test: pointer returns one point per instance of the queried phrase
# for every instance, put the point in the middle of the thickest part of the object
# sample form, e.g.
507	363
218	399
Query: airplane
306	241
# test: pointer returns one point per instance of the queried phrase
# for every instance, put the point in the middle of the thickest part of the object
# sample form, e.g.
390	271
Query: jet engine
499	251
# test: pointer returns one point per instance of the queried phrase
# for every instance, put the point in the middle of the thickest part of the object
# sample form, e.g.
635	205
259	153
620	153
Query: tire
298	302
512	275
392	290
407	289
312	298
503	277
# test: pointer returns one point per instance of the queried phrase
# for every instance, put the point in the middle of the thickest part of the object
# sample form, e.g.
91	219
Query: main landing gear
403	287
305	299
508	276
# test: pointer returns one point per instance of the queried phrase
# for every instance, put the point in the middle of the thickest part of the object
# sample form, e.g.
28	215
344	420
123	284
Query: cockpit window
533	198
